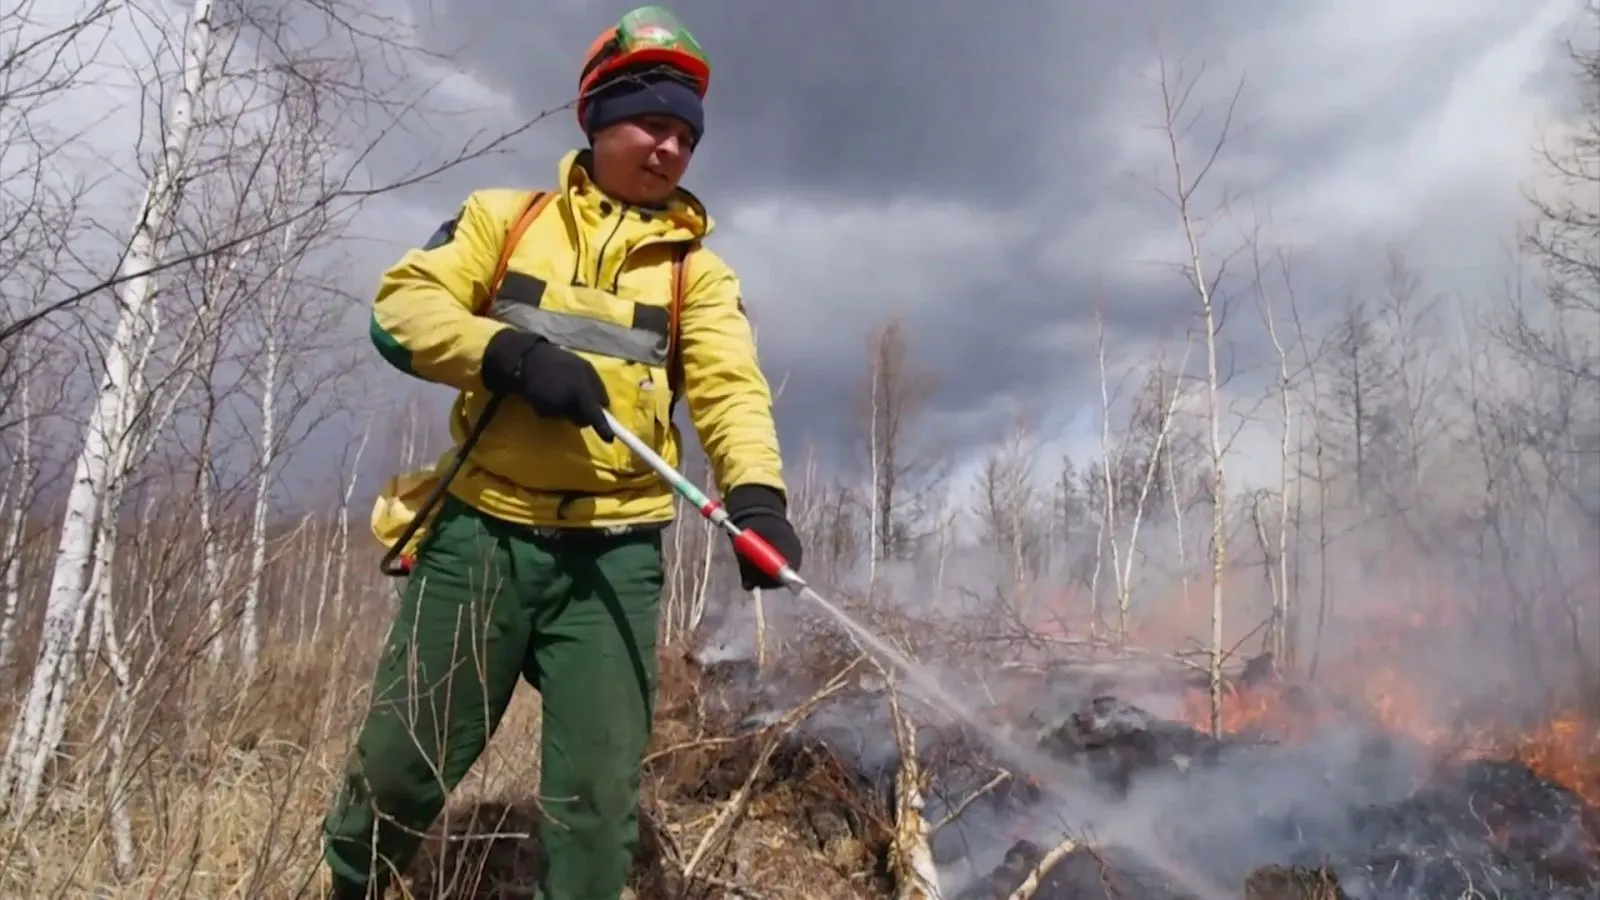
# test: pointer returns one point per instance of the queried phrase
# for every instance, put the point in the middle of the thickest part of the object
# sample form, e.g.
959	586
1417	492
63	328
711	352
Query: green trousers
489	602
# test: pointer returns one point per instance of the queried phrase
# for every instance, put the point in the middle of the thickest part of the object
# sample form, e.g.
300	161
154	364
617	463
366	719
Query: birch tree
1541	442
1009	505
213	279
903	474
16	497
1283	628
364	66
30	745
294	320
336	570
1146	454
224	49
1204	275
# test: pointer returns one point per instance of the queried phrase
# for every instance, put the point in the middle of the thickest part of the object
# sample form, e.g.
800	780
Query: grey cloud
1033	118
863	99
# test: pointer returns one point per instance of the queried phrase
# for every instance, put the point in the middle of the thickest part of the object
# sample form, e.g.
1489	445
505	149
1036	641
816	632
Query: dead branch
1035	879
911	856
962	807
698	744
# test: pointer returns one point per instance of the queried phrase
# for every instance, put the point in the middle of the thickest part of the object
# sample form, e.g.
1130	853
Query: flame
1366	686
1564	748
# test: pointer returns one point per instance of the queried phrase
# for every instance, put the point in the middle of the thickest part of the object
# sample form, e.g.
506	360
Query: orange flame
1371	688
1564	749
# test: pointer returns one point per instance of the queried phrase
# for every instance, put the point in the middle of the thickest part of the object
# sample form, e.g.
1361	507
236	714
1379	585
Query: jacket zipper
600	258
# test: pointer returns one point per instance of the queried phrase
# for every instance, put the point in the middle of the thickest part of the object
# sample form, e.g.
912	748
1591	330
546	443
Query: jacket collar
684	213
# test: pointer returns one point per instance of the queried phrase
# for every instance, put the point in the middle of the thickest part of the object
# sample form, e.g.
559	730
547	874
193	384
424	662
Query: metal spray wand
746	543
754	548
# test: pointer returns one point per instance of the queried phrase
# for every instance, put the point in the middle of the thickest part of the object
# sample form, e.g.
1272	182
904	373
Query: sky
993	173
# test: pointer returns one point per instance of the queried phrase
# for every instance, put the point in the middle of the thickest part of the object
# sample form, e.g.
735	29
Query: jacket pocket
656	404
645	413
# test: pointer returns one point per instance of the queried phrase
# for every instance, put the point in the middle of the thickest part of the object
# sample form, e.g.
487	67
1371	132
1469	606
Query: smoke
1436	618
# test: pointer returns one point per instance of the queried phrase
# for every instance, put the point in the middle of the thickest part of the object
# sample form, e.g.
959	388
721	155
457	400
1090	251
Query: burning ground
1090	780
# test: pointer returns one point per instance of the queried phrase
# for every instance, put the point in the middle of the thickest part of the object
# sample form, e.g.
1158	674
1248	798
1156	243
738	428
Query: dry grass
231	779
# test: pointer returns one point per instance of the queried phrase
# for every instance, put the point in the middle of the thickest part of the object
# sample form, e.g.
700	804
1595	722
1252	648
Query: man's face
642	160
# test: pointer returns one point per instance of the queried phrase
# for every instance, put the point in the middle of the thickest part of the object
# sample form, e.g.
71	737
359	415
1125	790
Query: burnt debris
1349	814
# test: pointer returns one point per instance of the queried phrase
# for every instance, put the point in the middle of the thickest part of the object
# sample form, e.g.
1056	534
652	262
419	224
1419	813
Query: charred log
1117	741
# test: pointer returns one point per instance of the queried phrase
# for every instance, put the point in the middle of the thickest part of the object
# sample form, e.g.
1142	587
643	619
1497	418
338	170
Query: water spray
753	547
772	564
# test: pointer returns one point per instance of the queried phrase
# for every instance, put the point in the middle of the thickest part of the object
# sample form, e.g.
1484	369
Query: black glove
557	383
765	511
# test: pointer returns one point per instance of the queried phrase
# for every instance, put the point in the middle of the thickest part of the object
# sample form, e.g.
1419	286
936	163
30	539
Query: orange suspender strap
536	205
680	287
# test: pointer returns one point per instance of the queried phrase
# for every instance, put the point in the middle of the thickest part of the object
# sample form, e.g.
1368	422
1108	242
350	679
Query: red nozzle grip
755	548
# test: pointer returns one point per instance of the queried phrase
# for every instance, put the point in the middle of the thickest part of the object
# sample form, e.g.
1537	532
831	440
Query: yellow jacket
600	261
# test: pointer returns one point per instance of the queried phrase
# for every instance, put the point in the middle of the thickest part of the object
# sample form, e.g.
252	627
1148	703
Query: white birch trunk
1183	190
341	544
874	464
1163	436
117	715
210	553
1284	608
1108	512
212	549
29	749
19	497
249	622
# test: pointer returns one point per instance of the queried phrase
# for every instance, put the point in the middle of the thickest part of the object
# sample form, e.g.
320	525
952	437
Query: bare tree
104	437
331	597
1009	506
45	51
236	62
16	497
1559	344
1319	472
1186	180
1360	380
1275	549
1105	536
293	319
360	62
1539	433
903	475
1133	473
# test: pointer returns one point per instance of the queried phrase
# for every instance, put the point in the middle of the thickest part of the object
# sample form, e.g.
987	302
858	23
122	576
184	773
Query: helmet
649	37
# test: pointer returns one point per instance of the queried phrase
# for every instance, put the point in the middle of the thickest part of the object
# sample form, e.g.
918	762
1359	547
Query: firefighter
543	561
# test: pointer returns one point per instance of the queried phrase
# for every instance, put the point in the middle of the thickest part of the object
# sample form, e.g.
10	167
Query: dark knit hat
632	96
